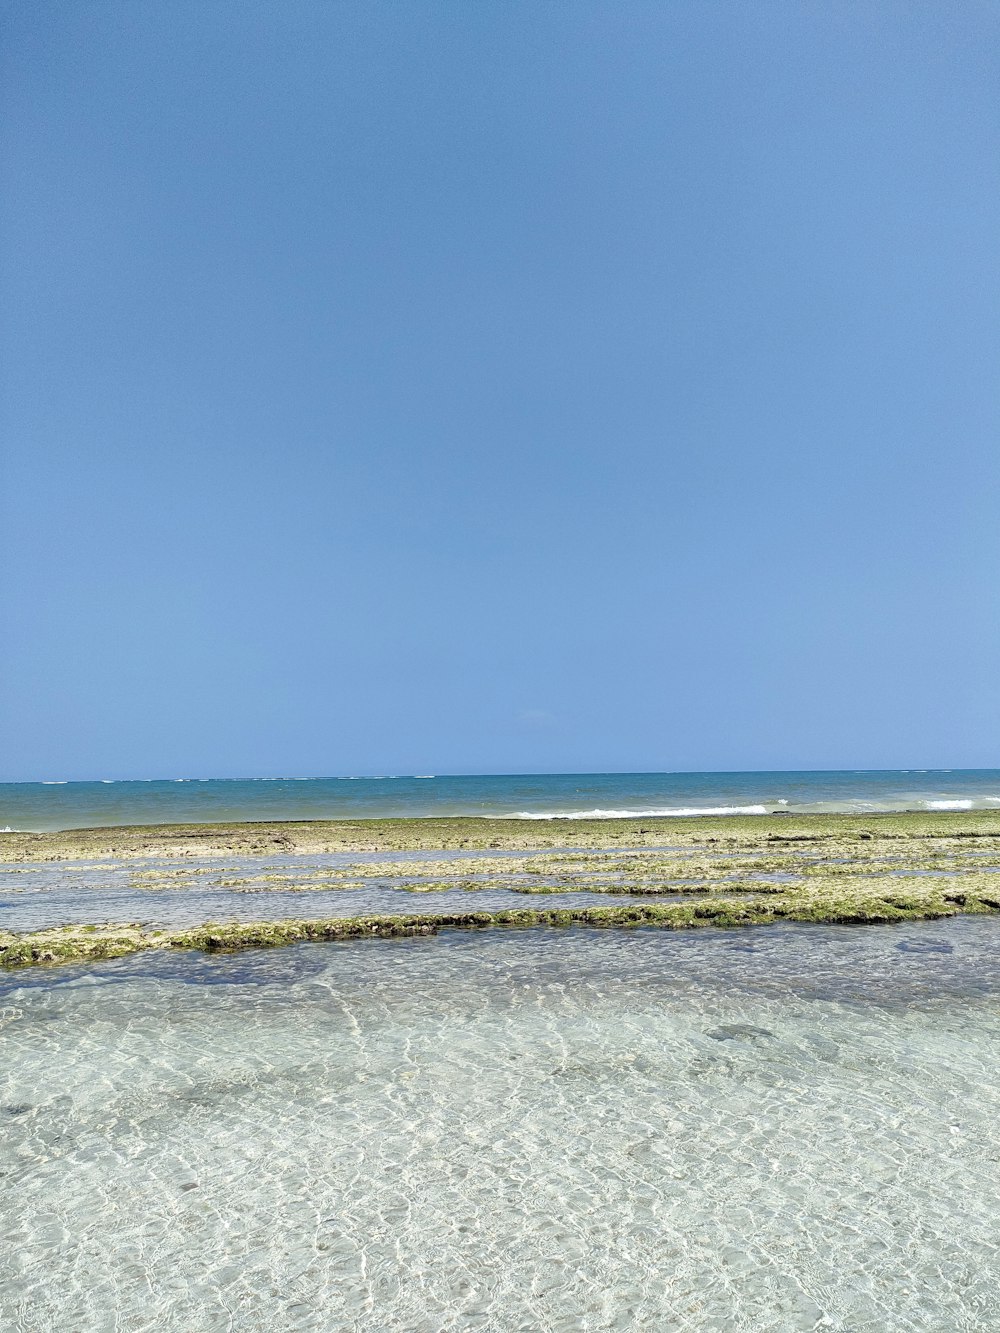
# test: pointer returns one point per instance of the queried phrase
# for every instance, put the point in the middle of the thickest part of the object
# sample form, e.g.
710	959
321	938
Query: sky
498	387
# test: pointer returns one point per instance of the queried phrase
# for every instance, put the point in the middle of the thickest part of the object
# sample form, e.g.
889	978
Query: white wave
58	782
644	814
948	805
425	775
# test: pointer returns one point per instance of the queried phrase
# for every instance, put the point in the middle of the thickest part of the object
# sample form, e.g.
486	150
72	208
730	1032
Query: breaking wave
644	814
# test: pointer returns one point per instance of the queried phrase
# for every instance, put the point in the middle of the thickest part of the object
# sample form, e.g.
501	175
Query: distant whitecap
645	814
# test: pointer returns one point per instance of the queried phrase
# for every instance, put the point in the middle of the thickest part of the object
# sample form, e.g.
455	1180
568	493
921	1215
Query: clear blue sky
472	387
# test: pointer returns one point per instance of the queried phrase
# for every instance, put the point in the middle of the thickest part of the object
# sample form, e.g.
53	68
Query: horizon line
430	777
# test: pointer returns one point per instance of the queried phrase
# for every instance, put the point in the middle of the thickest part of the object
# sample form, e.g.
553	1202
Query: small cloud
536	717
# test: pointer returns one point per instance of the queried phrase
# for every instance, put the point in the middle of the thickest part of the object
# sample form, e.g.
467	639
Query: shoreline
728	872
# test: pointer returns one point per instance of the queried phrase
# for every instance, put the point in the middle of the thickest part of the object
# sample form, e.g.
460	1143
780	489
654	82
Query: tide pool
790	1128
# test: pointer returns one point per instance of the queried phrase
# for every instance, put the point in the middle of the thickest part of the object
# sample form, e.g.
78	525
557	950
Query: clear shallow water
175	894
37	806
791	1128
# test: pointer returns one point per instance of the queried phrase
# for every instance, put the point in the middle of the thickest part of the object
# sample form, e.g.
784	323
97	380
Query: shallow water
790	1128
188	892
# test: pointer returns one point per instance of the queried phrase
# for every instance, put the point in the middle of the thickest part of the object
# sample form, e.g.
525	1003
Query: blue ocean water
41	806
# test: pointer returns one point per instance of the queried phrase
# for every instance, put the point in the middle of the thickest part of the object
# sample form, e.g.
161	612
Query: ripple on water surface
174	894
782	1129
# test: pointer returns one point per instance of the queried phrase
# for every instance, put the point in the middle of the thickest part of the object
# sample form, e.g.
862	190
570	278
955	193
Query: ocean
45	806
785	1127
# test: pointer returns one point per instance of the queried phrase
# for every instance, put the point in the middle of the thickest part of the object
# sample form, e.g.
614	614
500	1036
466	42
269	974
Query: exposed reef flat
677	873
373	835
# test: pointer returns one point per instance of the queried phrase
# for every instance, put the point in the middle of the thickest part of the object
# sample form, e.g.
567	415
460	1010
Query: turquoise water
794	1128
37	806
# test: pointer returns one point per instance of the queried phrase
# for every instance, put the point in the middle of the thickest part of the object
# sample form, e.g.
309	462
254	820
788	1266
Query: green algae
69	944
758	832
834	869
909	901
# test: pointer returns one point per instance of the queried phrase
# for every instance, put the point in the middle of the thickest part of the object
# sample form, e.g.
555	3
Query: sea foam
644	814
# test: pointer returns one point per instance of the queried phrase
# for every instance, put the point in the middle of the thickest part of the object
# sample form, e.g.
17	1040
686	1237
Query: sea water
191	891
789	1128
55	804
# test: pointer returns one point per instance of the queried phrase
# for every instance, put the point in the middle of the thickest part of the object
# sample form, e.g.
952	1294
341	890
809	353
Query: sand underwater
767	1101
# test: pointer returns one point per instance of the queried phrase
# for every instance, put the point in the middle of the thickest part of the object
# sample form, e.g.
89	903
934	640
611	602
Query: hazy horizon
511	773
